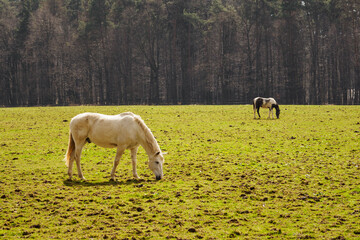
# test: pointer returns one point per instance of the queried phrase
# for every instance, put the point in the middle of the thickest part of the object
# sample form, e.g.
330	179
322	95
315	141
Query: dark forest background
64	52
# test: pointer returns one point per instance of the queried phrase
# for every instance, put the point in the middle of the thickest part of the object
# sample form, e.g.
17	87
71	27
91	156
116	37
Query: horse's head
277	111
156	165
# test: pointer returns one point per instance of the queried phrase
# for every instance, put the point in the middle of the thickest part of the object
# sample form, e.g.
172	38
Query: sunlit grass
226	175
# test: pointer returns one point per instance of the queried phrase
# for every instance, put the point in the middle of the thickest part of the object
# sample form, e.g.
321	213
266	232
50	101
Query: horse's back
107	130
264	102
84	120
114	123
93	118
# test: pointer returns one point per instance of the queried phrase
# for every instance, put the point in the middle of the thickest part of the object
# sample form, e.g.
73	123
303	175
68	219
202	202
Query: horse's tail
71	148
254	102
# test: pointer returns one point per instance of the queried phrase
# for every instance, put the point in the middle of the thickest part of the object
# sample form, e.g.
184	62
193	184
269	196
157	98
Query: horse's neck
149	144
148	141
149	148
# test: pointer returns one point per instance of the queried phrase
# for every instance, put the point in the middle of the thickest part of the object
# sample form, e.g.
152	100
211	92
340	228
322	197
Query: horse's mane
149	137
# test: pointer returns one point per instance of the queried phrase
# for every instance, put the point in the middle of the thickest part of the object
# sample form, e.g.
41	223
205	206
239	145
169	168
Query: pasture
226	176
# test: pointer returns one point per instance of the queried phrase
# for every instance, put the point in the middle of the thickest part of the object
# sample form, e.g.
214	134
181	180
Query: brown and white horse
123	131
269	103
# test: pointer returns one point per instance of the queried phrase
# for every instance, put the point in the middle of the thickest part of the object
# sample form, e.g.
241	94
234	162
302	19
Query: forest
114	52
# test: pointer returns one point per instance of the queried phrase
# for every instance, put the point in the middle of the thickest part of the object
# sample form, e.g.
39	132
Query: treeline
63	52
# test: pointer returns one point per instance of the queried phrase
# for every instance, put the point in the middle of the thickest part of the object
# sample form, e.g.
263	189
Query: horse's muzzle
158	177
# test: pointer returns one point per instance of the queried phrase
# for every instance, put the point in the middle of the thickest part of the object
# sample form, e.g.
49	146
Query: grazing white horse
123	131
266	103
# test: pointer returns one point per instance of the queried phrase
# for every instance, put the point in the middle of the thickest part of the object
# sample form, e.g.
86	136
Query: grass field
226	175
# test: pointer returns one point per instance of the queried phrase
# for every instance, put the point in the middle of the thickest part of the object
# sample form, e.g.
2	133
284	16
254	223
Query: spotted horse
269	103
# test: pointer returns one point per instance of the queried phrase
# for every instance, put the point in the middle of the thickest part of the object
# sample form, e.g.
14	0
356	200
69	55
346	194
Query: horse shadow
136	182
266	119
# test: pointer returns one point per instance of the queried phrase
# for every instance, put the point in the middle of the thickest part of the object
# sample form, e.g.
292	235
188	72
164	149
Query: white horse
123	131
266	103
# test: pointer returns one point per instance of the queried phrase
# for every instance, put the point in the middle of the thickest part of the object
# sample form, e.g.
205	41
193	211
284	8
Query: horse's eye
157	162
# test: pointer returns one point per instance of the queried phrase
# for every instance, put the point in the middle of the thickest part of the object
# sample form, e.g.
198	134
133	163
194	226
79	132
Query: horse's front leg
270	111
133	161
119	153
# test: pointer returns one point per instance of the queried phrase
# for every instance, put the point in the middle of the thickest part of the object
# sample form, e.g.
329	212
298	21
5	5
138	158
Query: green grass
226	175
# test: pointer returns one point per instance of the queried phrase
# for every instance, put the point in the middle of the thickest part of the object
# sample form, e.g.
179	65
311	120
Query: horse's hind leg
70	167
258	111
118	155
77	157
133	161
